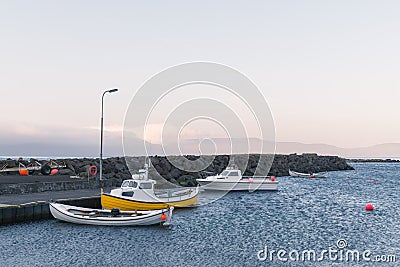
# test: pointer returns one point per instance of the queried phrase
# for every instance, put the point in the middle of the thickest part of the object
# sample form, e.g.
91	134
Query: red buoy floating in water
371	181
53	171
378	182
369	207
272	178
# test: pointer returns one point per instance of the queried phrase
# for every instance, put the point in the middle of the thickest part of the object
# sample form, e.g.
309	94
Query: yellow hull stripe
110	202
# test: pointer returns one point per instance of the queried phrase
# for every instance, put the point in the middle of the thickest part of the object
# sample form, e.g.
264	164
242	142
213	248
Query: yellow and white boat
138	193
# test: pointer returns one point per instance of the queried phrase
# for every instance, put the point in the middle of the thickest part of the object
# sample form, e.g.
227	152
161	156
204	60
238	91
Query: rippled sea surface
305	214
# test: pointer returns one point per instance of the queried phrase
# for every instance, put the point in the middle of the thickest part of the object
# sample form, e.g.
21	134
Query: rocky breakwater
277	165
116	169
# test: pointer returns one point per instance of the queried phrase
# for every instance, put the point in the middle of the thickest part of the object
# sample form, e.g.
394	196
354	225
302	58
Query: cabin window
132	184
233	174
224	173
145	186
127	194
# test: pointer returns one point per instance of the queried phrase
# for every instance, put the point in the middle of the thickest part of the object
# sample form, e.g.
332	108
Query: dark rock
109	175
186	180
66	172
83	174
175	173
83	168
71	167
11	163
119	166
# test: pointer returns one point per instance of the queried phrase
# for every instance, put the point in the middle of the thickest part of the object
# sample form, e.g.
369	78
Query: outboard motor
115	212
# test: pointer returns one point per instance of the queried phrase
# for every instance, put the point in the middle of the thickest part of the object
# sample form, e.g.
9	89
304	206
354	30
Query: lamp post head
113	90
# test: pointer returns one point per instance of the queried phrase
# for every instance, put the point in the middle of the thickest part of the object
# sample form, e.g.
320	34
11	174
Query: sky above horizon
329	70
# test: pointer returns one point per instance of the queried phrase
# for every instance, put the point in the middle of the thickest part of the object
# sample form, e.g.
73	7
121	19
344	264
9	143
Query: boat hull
61	212
305	175
238	186
110	201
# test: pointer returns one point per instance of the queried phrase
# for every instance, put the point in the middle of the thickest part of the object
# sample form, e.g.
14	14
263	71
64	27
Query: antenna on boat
232	164
146	168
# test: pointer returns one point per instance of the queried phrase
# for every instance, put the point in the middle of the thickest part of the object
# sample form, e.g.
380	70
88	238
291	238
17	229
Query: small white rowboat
113	217
307	175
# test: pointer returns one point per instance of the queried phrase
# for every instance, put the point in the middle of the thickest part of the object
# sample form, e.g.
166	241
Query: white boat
138	193
231	179
307	175
113	217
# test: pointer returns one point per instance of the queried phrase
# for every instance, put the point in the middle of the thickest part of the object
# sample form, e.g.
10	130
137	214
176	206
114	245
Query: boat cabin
228	174
231	173
138	183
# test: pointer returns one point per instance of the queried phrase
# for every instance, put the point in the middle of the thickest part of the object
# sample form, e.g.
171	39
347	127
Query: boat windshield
234	173
129	184
224	173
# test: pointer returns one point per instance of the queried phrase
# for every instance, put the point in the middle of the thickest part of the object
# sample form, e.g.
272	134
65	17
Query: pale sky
329	70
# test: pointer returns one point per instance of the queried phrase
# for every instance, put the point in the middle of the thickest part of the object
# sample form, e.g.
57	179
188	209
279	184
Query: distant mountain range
389	150
191	146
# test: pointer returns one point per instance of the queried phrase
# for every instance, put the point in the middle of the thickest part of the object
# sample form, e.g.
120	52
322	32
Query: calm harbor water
305	214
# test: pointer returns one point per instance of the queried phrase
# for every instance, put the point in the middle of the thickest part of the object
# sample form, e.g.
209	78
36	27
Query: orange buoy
272	178
163	217
371	181
53	171
23	172
369	207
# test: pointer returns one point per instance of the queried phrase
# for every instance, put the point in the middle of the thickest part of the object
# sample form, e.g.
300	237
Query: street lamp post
101	137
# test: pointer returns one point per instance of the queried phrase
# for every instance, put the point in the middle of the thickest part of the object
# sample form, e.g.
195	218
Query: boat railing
169	193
